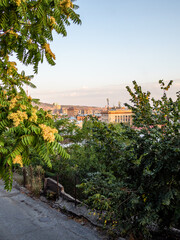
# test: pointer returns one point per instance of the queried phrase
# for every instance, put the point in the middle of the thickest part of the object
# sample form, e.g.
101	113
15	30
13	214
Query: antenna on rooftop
107	103
119	104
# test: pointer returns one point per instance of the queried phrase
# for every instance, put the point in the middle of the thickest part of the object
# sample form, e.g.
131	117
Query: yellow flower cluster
12	103
33	117
46	46
18	2
66	3
52	20
23	107
18	160
18	97
49	115
18	117
48	133
144	197
14	33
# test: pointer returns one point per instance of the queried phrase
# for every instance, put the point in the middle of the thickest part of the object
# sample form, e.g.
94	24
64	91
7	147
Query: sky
119	41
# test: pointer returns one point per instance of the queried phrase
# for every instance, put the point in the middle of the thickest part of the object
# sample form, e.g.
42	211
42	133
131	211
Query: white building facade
117	116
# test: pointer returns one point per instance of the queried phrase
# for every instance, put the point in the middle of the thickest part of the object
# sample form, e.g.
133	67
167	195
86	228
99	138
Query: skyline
90	96
115	44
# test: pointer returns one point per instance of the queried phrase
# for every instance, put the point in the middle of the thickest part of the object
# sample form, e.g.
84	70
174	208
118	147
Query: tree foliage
140	188
26	29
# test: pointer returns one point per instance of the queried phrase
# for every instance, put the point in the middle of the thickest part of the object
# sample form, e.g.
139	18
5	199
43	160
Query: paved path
22	218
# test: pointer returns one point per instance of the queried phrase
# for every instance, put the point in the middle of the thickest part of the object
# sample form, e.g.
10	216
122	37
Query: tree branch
6	32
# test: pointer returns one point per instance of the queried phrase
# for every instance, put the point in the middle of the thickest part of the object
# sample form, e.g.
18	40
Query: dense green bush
139	187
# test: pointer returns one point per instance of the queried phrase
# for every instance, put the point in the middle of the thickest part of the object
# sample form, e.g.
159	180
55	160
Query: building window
118	119
123	118
126	118
115	118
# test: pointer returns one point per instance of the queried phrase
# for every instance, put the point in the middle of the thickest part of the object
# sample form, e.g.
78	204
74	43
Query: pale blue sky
118	41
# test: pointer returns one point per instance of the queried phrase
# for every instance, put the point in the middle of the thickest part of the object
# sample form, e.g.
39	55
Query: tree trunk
57	186
24	177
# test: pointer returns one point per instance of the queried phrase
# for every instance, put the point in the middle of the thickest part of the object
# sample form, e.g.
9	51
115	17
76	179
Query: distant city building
72	112
79	123
80	117
81	111
64	111
57	106
120	115
88	111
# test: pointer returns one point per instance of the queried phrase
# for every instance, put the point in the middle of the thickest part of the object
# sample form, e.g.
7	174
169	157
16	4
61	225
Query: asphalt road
23	218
